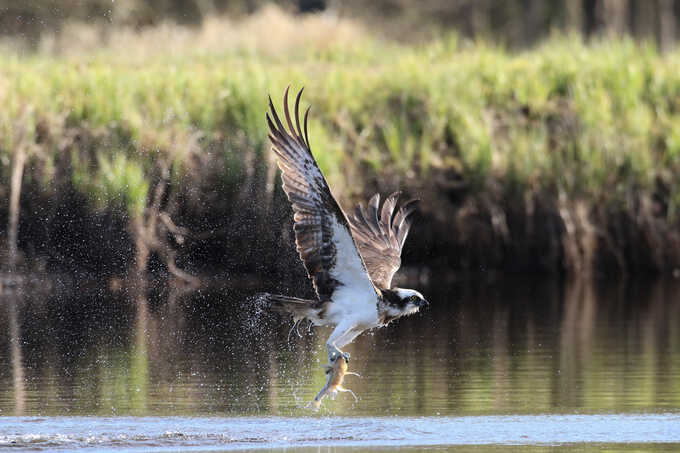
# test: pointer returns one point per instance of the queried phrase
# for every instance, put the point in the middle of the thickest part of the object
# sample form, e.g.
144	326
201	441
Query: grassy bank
563	157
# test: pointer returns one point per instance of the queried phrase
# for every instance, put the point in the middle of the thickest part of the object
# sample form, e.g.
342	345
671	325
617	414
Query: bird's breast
355	306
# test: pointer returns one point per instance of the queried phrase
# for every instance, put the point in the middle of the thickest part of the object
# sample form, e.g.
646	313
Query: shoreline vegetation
150	156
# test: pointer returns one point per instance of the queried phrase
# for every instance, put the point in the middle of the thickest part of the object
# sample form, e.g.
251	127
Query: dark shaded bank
204	223
247	230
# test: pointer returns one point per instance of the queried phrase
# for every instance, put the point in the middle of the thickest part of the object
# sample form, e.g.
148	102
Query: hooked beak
422	303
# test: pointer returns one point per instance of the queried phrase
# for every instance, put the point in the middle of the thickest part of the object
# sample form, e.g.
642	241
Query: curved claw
334	353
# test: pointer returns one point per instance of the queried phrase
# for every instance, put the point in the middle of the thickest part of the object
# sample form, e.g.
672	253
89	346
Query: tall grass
597	122
118	182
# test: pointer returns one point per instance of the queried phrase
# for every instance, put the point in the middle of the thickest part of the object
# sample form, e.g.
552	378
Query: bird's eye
413	298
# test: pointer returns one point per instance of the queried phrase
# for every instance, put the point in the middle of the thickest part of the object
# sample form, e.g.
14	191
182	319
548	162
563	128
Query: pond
518	363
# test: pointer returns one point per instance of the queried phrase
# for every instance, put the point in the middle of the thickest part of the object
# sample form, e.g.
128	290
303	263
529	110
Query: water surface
165	433
511	361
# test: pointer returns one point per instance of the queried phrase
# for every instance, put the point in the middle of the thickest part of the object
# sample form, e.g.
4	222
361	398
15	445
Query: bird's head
401	302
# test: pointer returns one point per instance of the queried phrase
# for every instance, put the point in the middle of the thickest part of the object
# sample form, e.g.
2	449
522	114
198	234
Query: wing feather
322	234
380	234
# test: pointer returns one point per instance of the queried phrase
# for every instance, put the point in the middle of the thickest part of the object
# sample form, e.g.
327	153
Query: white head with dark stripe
398	302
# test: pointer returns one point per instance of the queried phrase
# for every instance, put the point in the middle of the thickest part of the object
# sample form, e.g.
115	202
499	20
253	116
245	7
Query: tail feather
299	308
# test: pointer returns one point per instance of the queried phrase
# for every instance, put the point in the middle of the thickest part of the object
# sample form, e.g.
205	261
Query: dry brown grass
270	32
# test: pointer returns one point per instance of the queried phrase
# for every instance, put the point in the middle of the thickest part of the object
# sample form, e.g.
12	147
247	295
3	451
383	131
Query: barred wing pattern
380	235
322	234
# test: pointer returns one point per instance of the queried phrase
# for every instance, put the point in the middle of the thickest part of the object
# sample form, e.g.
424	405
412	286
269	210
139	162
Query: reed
562	124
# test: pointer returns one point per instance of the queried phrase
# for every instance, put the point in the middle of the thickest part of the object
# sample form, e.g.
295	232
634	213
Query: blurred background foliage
143	128
515	23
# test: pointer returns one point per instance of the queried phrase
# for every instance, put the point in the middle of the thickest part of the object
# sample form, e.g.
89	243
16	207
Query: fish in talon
335	375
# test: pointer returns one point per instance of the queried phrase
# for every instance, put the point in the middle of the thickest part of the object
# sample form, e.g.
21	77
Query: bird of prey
349	258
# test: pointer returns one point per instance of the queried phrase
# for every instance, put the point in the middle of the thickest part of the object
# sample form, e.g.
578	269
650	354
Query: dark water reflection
500	347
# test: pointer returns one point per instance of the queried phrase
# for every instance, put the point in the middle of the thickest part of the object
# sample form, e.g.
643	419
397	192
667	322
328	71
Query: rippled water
526	362
163	433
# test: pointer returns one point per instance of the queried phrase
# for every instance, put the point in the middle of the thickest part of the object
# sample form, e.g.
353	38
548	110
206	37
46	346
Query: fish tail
316	402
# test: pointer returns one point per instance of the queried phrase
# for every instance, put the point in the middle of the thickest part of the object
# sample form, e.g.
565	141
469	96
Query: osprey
350	259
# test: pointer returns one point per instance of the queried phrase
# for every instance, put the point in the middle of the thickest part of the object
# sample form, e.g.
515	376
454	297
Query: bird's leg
341	335
347	337
291	331
294	327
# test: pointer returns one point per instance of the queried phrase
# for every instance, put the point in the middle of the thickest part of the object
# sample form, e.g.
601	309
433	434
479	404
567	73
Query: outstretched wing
322	234
380	235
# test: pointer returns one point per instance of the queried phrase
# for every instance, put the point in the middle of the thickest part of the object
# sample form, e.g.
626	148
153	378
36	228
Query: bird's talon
333	354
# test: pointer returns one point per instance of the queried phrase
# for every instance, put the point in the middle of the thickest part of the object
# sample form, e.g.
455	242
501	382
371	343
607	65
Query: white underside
354	303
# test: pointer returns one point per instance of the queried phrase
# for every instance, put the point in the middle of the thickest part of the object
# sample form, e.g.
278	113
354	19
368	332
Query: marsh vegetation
564	157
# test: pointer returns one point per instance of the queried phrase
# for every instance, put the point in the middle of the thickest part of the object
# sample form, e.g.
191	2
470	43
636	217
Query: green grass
118	181
597	122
